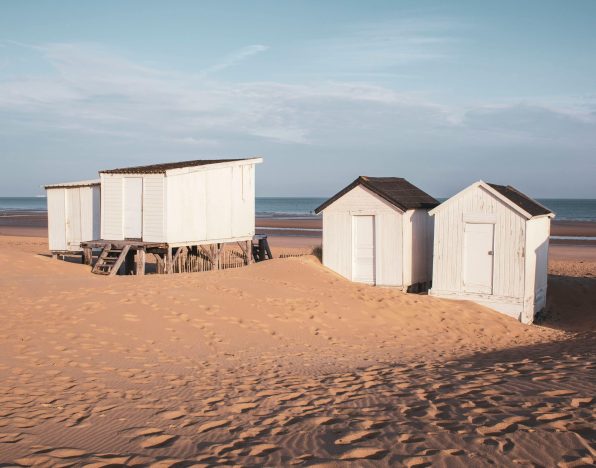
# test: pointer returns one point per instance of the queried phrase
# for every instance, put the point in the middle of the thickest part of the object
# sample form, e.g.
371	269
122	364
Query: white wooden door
363	255
478	258
133	208
73	219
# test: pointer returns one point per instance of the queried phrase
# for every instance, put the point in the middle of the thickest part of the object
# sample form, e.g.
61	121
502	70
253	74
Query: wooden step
110	260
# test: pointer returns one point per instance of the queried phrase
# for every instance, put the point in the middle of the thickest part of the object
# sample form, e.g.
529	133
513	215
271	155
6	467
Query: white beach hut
377	231
491	247
73	215
174	205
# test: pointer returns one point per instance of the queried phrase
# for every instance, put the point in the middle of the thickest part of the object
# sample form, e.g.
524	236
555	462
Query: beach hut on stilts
183	213
73	216
377	231
491	247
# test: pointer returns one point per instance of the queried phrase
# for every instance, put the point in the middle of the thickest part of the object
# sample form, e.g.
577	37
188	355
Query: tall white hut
73	215
377	231
168	207
190	202
491	247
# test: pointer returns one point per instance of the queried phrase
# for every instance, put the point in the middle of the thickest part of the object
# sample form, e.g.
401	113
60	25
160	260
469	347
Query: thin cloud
235	58
97	92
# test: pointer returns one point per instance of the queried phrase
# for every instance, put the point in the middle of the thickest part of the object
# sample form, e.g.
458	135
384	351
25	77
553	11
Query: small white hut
377	231
491	247
73	215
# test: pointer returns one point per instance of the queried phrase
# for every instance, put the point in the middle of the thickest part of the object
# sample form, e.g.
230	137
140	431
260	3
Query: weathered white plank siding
337	242
56	219
188	205
509	242
418	245
212	204
90	217
73	216
112	207
153	207
537	241
337	235
243	201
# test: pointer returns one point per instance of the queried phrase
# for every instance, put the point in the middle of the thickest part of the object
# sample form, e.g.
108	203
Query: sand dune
283	363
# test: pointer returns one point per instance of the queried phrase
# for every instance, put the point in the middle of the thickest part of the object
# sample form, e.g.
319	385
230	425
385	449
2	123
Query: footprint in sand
67	453
364	453
212	425
242	407
579	402
158	441
324	420
172	415
355	437
556	393
262	450
410	439
148	431
497	429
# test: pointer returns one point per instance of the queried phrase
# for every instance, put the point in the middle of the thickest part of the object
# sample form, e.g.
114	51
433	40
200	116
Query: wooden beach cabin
377	231
175	209
491	247
73	215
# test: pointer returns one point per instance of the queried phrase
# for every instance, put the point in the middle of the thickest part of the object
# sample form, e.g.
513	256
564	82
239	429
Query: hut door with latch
478	257
133	208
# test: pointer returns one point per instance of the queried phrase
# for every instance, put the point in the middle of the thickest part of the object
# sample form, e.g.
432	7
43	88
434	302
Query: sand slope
281	363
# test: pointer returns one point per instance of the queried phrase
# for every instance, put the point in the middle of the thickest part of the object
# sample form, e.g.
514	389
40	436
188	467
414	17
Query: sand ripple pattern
280	365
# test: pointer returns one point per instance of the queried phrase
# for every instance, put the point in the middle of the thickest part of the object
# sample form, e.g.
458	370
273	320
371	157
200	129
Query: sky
441	93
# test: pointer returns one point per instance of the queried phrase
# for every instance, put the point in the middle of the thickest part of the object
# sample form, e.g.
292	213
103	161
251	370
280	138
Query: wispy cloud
381	46
105	103
235	58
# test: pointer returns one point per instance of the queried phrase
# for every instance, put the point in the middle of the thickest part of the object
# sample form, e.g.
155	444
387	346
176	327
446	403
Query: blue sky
442	93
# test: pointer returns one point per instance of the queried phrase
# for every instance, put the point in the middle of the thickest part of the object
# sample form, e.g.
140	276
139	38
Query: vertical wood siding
537	241
153	208
337	235
509	243
111	207
56	219
418	246
73	216
87	213
211	204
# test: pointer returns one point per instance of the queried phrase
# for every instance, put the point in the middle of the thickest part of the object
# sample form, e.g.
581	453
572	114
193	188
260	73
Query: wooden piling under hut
130	257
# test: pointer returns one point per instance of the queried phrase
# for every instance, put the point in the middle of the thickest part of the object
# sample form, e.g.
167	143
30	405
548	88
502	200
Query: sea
303	207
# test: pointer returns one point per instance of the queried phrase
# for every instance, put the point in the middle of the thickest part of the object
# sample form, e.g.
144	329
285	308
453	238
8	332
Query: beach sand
284	363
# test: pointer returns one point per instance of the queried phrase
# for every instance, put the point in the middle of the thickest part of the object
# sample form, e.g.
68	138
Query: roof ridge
396	191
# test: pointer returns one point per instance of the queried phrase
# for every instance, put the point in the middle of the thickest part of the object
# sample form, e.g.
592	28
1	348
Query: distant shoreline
34	224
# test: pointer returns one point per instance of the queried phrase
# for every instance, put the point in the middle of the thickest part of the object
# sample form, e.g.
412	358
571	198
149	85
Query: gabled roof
395	190
162	168
522	200
518	201
81	183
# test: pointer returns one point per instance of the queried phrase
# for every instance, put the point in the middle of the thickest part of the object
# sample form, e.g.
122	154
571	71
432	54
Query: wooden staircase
261	250
110	260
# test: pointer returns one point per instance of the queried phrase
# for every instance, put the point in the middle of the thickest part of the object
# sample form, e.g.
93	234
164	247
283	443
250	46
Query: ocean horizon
577	209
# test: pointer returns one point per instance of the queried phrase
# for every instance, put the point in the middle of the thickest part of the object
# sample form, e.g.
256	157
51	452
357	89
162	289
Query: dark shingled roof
526	203
395	190
162	168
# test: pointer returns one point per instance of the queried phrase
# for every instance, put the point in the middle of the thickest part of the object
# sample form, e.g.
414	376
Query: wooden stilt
161	268
140	262
169	262
87	255
129	262
218	259
249	258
